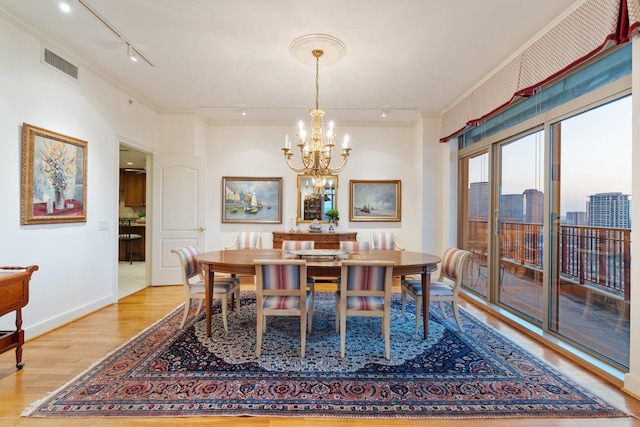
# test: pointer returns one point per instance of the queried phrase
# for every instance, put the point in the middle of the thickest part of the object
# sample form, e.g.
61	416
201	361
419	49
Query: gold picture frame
251	200
379	201
54	177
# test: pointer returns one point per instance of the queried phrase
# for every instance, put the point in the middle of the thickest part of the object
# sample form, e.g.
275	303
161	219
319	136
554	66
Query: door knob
201	229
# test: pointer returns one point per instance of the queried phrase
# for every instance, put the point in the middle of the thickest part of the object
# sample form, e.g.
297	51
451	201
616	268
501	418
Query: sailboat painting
247	199
375	200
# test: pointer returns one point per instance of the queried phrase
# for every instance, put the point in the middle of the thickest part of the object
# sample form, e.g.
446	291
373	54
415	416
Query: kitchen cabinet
135	189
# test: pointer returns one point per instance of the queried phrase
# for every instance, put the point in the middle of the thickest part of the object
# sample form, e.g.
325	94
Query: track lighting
243	111
383	112
131	53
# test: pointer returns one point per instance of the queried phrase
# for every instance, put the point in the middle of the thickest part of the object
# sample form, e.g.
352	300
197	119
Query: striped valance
585	31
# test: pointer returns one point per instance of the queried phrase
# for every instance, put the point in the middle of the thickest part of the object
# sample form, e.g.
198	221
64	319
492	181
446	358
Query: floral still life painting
54	168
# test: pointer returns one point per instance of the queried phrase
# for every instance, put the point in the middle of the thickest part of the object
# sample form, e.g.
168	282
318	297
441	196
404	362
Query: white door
178	212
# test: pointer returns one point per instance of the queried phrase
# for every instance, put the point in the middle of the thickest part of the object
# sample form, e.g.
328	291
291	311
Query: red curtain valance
584	32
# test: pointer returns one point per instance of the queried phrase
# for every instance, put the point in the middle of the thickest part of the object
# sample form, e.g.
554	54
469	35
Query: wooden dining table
240	262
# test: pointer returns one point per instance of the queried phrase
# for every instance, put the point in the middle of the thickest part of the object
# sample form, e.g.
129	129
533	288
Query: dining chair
444	289
246	240
385	241
365	290
299	245
128	237
223	288
280	291
351	247
294	245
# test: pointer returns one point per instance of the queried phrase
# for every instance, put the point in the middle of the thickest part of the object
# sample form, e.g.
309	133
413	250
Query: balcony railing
588	255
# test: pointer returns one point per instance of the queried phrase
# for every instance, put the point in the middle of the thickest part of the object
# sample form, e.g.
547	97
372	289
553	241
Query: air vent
59	63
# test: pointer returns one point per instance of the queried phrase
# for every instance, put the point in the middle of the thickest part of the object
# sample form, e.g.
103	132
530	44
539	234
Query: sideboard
14	294
322	240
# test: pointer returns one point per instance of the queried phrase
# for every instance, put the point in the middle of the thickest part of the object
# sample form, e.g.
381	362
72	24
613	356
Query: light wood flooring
56	357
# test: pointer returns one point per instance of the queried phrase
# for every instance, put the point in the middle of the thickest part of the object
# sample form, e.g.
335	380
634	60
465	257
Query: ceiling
216	58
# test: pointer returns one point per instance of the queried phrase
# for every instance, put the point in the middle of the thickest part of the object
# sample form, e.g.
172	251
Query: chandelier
319	186
316	147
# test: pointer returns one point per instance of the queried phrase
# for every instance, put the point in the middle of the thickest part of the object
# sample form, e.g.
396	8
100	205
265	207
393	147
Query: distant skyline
595	158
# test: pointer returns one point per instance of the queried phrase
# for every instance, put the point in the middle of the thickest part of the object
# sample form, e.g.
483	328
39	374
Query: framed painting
54	177
252	200
375	201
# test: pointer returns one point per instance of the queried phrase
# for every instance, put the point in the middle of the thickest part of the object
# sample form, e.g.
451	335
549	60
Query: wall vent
59	63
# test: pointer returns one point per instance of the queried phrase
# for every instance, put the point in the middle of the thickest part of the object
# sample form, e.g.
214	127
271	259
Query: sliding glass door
519	225
590	279
474	190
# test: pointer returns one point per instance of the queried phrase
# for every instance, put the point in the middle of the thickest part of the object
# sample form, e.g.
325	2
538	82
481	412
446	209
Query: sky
595	157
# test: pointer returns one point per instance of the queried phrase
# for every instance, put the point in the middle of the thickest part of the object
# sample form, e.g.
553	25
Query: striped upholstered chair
365	290
299	245
444	289
280	291
352	247
246	240
223	288
385	241
294	245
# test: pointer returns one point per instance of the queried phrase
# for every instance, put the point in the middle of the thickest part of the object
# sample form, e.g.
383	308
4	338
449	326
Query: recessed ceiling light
65	6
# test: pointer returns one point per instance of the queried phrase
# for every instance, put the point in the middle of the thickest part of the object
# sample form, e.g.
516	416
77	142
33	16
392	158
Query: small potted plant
334	216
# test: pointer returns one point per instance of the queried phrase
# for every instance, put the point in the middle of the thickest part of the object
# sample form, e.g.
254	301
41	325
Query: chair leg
386	321
237	298
187	307
343	331
444	314
454	305
337	309
259	332
404	300
303	333
418	300
223	302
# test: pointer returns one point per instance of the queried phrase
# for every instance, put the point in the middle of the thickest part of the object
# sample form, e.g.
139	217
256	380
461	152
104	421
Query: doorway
132	224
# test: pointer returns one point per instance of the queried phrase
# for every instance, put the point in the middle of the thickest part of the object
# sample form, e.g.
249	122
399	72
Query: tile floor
131	278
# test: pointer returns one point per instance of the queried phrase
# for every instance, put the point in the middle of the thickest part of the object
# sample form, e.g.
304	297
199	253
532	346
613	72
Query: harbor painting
375	200
252	200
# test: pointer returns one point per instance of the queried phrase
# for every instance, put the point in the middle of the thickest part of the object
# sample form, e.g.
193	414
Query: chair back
296	245
452	267
188	262
246	240
366	278
282	278
385	241
354	246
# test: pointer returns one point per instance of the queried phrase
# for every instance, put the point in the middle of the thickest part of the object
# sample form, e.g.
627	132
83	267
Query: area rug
166	371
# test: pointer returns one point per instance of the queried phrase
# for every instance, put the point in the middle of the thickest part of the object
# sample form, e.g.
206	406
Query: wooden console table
322	240
14	294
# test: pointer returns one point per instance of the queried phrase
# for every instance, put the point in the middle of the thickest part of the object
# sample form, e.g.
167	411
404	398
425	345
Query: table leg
426	287
208	298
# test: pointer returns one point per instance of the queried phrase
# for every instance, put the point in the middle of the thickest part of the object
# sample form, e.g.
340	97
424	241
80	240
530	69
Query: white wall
78	266
378	153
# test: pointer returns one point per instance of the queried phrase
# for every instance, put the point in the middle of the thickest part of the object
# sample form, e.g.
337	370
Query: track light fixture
383	112
131	53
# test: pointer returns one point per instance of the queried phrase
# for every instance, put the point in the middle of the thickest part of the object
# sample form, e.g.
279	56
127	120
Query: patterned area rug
168	372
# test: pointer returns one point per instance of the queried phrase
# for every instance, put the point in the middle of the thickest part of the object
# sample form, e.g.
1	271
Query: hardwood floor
56	357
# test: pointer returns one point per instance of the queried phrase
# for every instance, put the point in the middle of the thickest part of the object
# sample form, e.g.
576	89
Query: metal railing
588	255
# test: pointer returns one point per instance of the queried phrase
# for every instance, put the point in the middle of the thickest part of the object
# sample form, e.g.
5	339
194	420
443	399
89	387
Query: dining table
240	262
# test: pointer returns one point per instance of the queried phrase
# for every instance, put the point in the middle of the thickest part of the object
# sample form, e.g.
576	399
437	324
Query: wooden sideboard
14	294
322	240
